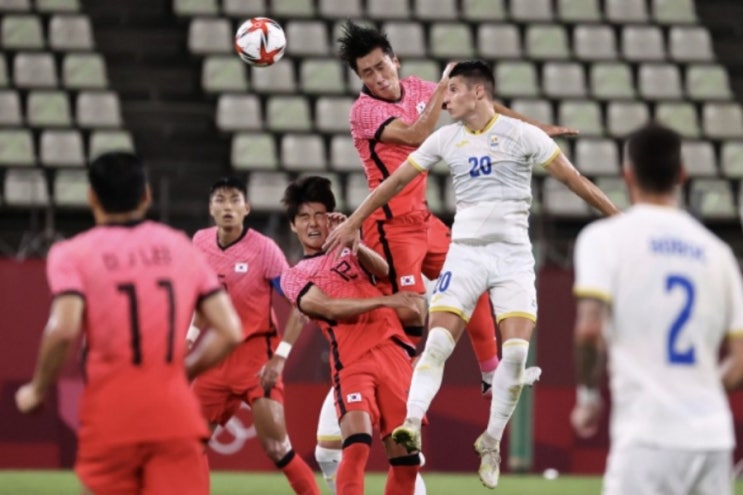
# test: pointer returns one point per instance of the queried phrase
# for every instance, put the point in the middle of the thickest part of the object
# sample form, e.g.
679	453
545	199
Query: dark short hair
654	153
119	179
310	189
228	183
357	41
475	72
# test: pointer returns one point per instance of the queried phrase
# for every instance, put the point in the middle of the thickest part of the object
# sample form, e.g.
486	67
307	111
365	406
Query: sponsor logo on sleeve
241	268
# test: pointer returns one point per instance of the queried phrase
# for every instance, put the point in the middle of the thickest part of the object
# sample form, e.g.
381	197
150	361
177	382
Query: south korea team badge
241	268
420	107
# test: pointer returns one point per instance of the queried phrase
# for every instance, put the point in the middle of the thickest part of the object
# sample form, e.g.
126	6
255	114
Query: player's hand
409	301
560	131
447	70
271	372
585	419
343	235
28	399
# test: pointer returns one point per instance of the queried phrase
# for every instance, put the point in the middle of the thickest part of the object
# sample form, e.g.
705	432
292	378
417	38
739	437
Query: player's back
670	310
140	283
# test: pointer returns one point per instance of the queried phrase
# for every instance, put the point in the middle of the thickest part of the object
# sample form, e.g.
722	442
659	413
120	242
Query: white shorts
506	271
647	470
328	428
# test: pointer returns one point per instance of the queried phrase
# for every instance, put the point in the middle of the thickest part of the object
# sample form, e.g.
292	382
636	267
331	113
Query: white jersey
491	173
674	291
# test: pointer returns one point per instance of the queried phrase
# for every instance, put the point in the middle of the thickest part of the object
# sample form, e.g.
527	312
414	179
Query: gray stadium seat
254	151
534	10
673	11
332	113
516	79
712	199
407	38
71	188
546	42
188	8
84	71
578	10
34	70
210	35
660	81
10	109
434	197
483	10
343	156
57	6
722	120
265	190
71	32
426	69
278	78
560	201
448	40
680	116
220	73
690	44
623	117
288	113
611	80
643	43
498	41
387	9
243	9
597	157
584	115
435	10
22	32
62	148
563	80
48	109
340	9
15	6
594	42
732	159
699	158
25	187
313	36
102	141
293	8
540	110
16	148
322	75
626	11
237	112
98	109
615	190
357	189
3	72
707	82
302	152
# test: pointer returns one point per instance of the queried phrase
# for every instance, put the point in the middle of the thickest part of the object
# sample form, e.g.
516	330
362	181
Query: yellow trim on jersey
449	309
415	165
484	129
735	333
329	438
516	314
552	158
590	293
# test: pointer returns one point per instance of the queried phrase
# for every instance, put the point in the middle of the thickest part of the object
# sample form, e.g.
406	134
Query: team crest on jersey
420	107
493	142
241	268
354	397
407	280
344	252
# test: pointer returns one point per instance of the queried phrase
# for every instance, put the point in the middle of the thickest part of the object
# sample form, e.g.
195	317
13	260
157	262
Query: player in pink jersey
370	353
248	265
130	287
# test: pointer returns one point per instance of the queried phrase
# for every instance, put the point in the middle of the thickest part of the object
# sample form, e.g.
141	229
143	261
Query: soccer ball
260	41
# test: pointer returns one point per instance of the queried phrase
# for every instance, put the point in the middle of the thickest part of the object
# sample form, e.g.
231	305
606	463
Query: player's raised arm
271	372
565	172
225	333
316	303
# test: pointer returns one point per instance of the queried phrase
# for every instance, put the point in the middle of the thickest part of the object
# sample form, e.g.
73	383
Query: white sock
507	385
420	486
429	371
328	459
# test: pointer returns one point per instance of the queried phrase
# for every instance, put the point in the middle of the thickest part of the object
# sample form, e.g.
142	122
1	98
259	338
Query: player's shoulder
202	235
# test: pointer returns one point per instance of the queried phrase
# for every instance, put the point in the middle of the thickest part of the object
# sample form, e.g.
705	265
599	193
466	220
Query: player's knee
439	346
325	456
515	351
277	450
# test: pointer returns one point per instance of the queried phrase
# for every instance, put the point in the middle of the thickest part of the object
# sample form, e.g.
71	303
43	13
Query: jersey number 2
481	165
130	291
675	356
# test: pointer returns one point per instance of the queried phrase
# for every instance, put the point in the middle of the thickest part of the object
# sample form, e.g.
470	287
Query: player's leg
172	468
329	441
716	473
357	430
110	470
270	428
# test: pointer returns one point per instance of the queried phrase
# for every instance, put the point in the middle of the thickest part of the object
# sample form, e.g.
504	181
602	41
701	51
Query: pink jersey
341	277
246	268
141	283
369	117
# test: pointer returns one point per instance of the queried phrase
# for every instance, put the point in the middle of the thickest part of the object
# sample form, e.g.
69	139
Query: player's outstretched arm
346	234
551	130
565	172
589	349
732	367
62	329
273	369
225	333
317	303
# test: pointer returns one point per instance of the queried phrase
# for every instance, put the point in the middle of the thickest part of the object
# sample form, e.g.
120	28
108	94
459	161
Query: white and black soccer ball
260	41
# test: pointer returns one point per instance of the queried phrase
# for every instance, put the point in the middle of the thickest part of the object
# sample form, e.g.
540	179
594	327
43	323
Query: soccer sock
402	474
429	371
420	486
507	385
481	330
299	474
350	478
328	460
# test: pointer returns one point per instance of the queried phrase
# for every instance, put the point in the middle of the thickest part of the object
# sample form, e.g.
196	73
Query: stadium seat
516	79
322	76
594	42
722	120
563	80
243	9
278	78
573	11
15	6
220	73
712	199
238	112
435	10
732	159
559	201
534	10
357	189
616	190
540	110
62	148
254	151
707	82
314	38
302	152
22	32
450	202
102	141
426	69
680	116
449	40
498	41
98	109
293	8
188	8
623	117
84	71
34	70
387	9
626	11
70	33
16	148
611	80
265	190
25	187
434	197
209	35
483	10
407	38
690	44
546	42
699	158
288	113
57	6
71	189
643	44
3	72
332	113
596	157
673	11
343	156
48	109
10	108
354	81
340	9
659	82
582	114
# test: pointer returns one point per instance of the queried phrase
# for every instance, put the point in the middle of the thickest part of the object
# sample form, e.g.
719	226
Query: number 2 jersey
140	283
674	291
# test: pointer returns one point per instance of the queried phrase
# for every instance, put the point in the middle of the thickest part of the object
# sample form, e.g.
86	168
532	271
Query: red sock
299	474
401	475
481	329
350	477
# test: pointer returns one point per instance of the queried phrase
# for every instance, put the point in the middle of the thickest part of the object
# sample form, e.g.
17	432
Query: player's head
118	184
471	83
228	205
308	201
653	159
368	52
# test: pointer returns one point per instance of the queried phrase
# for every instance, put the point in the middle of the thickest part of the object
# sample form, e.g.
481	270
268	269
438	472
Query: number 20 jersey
674	292
140	284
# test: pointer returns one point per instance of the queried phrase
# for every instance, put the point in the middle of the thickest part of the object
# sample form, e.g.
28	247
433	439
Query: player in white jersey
490	157
659	293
